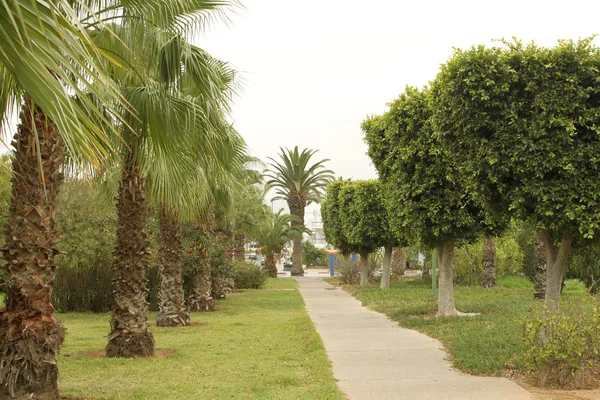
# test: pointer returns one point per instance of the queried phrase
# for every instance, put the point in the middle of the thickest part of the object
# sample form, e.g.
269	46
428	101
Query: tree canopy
523	122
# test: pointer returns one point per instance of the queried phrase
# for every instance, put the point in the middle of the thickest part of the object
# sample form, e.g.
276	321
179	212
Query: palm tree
46	57
158	148
213	171
299	184
272	234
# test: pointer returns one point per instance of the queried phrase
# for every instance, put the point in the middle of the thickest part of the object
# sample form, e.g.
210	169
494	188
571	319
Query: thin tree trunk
30	334
386	272
489	263
171	307
445	255
556	261
129	336
297	206
201	297
398	263
270	266
539	292
364	269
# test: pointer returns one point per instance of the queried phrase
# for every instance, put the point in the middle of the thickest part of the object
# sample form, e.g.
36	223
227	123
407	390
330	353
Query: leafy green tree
355	215
300	184
332	218
364	221
428	202
523	121
272	234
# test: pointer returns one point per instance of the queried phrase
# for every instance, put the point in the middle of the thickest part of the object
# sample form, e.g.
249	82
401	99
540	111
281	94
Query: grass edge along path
259	344
481	345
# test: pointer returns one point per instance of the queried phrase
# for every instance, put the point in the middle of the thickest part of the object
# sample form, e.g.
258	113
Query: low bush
248	275
349	273
561	346
311	255
515	282
83	288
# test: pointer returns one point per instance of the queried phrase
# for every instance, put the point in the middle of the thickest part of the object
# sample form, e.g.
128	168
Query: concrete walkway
374	358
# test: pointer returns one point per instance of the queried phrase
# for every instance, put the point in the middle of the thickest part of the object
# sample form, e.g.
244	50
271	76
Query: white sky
314	71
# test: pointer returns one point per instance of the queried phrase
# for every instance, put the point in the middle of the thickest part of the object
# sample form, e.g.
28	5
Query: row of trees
355	220
115	91
502	133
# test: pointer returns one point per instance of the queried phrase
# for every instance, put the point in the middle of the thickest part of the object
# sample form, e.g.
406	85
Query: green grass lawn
484	344
260	344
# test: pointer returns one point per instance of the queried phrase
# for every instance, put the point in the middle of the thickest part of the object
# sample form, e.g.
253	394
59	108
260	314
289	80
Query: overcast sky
314	70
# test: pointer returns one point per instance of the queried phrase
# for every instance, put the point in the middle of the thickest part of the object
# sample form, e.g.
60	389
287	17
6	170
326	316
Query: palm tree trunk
489	263
398	263
170	293
296	206
129	336
238	251
270	267
222	274
539	291
30	334
201	298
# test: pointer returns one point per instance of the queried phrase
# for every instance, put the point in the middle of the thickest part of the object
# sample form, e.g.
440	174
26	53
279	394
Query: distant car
252	256
287	266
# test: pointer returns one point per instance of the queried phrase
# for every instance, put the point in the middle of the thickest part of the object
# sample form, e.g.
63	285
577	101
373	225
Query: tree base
206	305
181	319
29	369
456	313
134	346
297	273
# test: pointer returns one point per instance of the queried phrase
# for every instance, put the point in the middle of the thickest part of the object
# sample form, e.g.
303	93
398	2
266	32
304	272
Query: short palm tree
272	234
299	183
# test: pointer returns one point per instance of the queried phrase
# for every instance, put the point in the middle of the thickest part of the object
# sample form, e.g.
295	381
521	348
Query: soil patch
158	353
187	326
585	388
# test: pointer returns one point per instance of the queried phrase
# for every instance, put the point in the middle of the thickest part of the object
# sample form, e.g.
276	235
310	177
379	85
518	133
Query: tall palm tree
46	57
272	234
300	184
158	148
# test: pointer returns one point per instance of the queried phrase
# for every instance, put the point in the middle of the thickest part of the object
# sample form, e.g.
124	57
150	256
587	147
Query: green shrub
248	275
83	288
468	264
312	255
515	282
584	264
509	256
84	274
559	346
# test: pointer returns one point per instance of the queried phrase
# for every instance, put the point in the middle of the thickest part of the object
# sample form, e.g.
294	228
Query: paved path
373	358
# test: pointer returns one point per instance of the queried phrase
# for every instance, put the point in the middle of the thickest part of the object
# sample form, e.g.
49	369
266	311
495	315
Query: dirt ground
589	389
